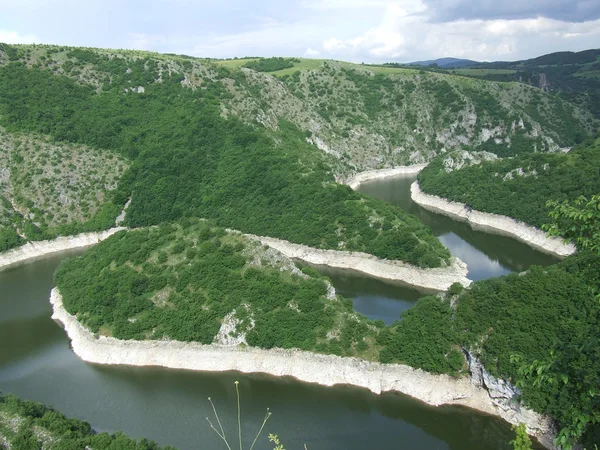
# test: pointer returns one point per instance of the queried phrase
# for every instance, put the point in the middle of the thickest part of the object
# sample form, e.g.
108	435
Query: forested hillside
187	160
259	149
192	281
512	323
195	282
364	117
49	188
574	76
520	186
217	140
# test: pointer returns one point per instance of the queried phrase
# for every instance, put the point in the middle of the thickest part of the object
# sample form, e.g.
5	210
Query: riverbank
492	223
369	175
35	250
326	370
438	279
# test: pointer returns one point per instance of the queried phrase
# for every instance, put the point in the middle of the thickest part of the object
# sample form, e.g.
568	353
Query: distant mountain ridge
551	59
446	63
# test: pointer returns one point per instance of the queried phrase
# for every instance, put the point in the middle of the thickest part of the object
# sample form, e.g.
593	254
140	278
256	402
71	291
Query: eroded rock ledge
369	175
492	223
34	250
438	279
326	370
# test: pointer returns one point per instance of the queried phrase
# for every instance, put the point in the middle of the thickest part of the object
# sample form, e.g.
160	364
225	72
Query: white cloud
356	30
343	4
406	33
138	41
12	37
311	52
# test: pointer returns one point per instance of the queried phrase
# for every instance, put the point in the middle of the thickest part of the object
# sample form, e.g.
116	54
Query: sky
369	31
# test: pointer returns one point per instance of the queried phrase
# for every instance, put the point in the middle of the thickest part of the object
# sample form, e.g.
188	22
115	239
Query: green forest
30	425
271	64
188	161
519	187
179	281
513	322
198	163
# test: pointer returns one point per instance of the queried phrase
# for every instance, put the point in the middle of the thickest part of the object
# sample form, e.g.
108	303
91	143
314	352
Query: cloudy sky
352	30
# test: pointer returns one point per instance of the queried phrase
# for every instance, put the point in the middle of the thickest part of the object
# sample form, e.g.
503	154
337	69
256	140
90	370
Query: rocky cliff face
370	121
506	398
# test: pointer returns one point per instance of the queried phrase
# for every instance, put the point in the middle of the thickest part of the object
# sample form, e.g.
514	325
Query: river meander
171	406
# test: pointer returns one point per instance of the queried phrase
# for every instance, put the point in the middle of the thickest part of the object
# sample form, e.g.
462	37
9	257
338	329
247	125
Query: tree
573	364
578	221
521	440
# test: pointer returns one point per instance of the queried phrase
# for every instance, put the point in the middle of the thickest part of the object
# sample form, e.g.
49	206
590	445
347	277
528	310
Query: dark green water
171	406
486	255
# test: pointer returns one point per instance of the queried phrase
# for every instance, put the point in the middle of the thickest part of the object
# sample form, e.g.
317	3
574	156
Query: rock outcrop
438	279
34	250
506	398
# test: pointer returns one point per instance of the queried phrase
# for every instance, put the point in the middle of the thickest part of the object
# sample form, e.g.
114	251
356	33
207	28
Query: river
171	406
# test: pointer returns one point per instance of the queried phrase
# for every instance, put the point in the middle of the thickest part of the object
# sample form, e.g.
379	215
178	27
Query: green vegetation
363	116
521	440
51	189
572	365
425	338
28	425
573	76
180	283
271	64
518	187
183	281
483	72
511	322
207	140
189	161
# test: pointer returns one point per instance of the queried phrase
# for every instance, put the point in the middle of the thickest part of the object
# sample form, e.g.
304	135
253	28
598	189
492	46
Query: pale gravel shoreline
35	250
380	174
325	370
492	223
438	279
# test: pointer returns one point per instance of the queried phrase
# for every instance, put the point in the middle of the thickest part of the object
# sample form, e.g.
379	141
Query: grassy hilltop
520	186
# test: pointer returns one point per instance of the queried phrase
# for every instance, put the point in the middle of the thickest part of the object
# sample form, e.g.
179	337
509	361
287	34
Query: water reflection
170	406
486	255
479	264
376	299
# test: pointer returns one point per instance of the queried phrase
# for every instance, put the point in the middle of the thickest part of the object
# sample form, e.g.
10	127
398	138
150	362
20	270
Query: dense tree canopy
189	161
519	187
179	281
